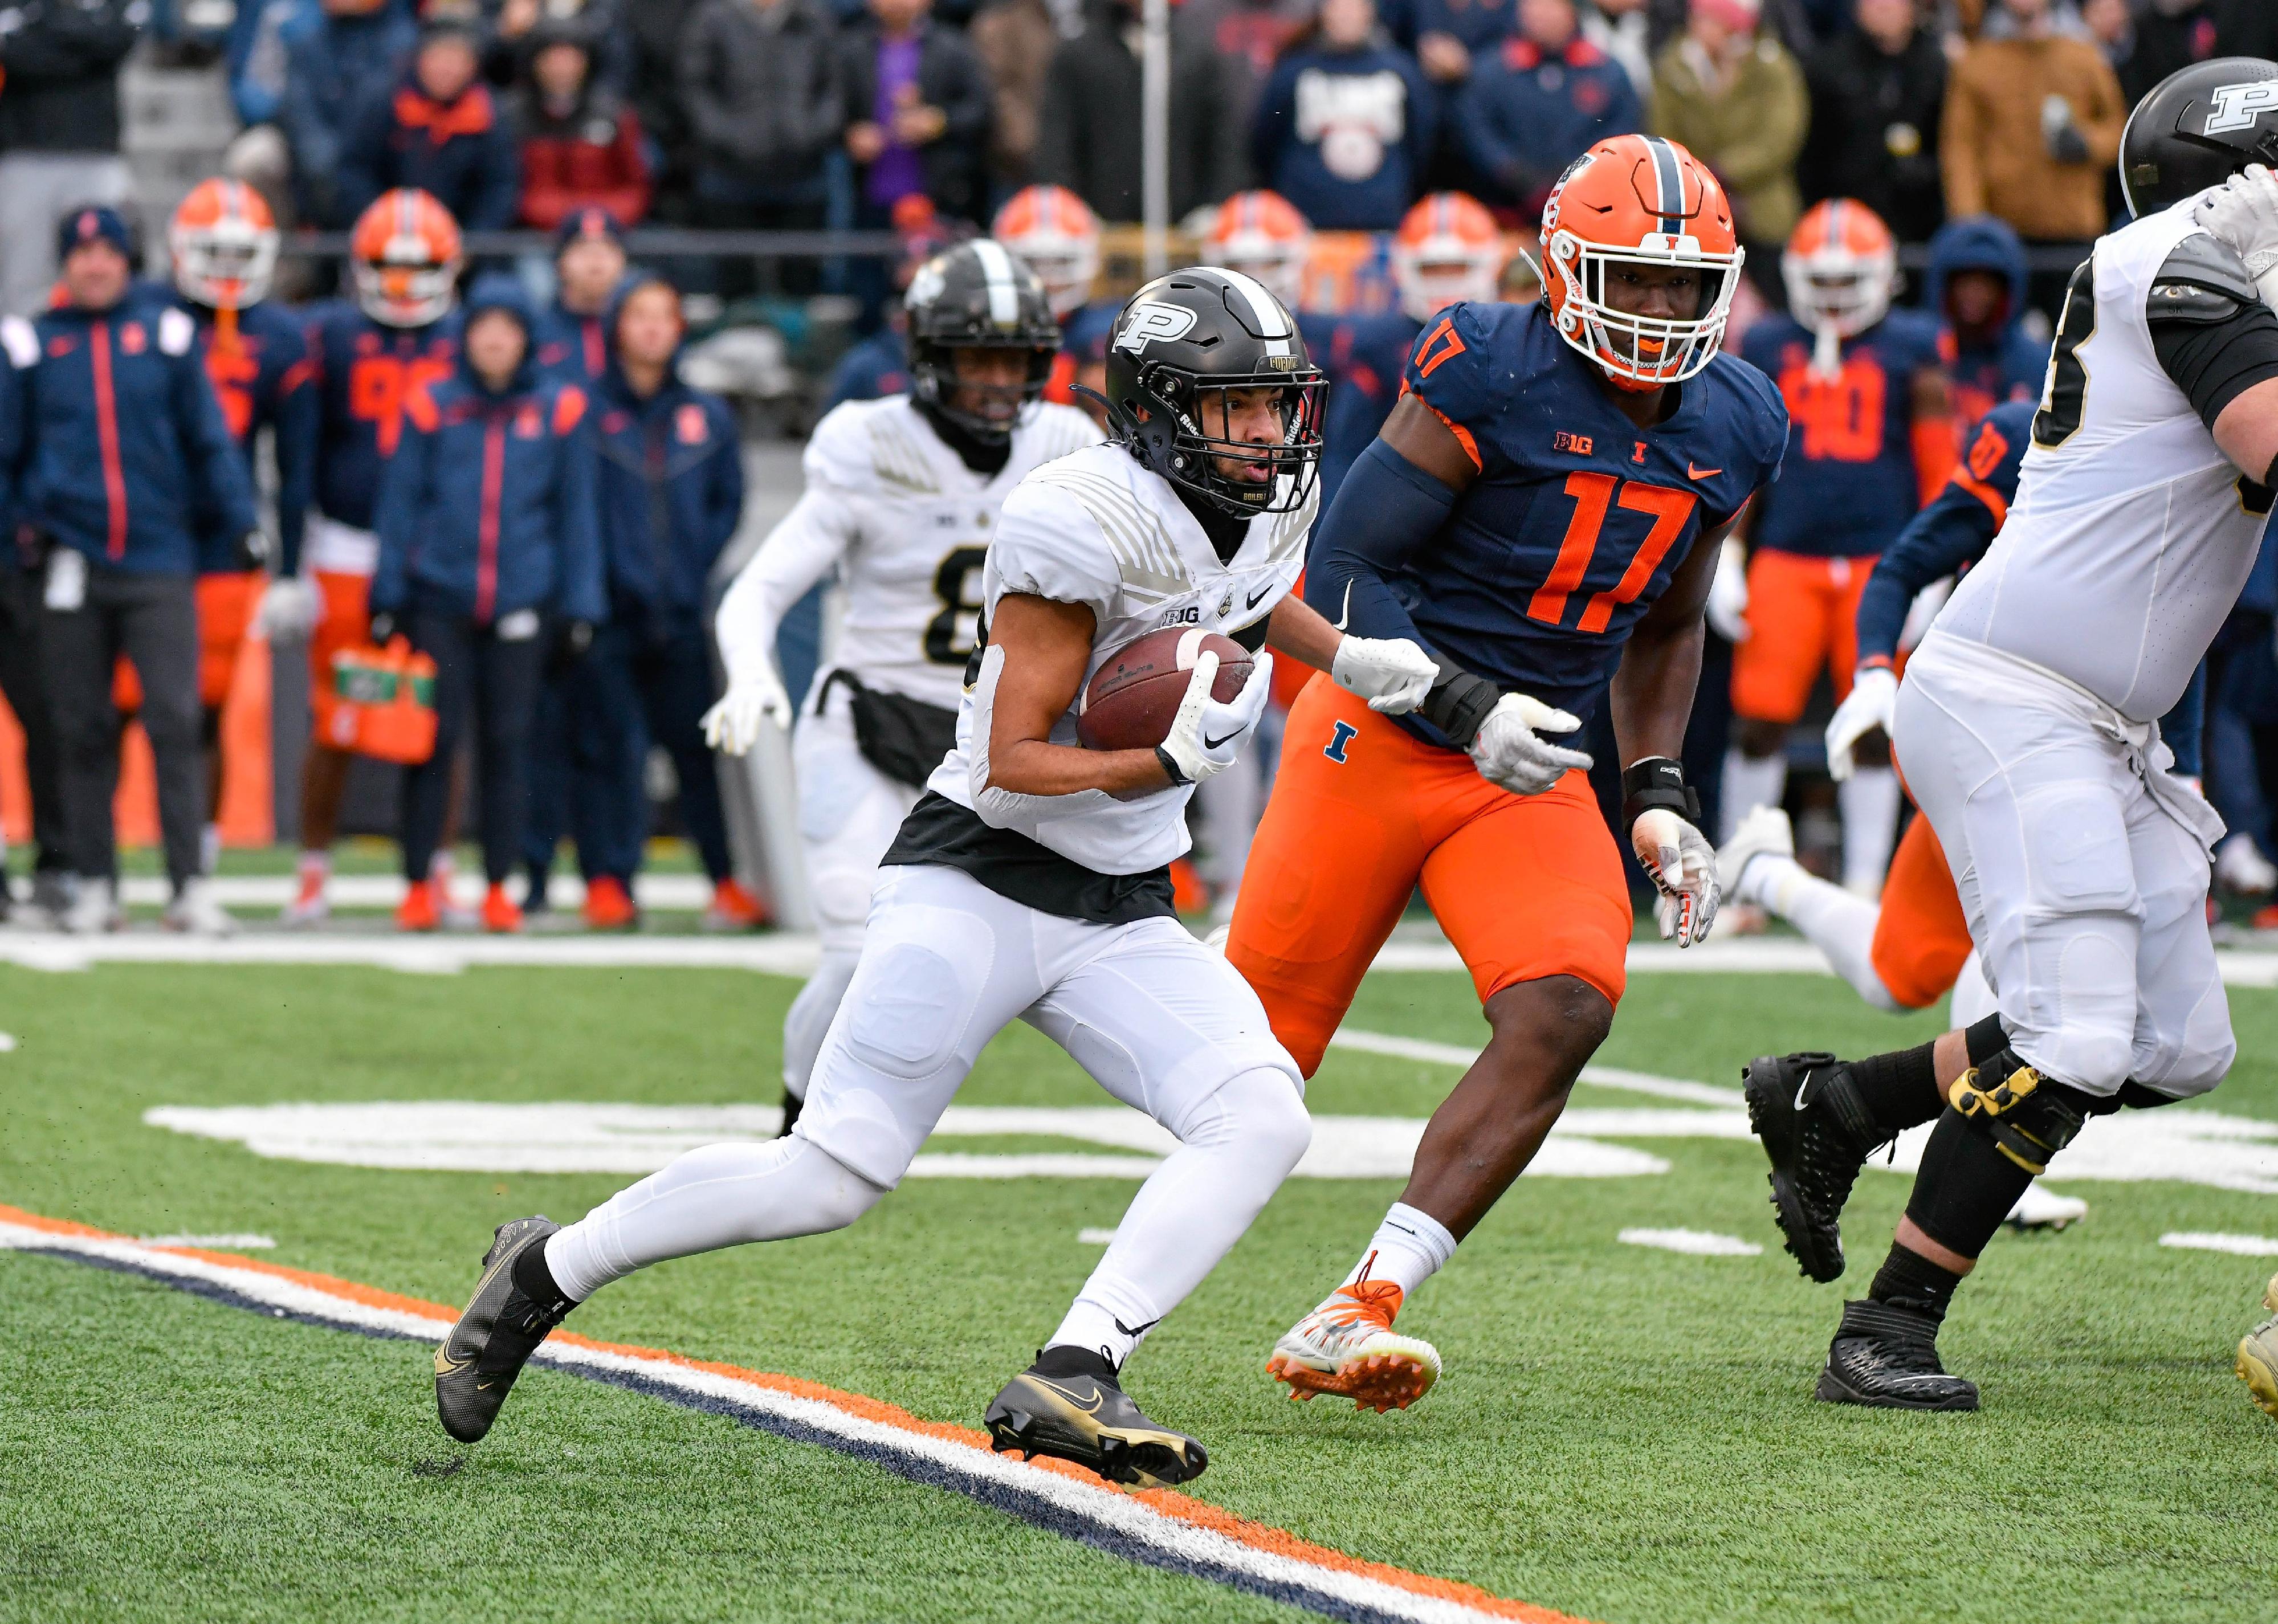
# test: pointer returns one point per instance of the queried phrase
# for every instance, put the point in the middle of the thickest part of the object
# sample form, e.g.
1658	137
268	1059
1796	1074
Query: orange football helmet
404	256
1262	235
1841	268
222	243
1638	201
1447	249
1055	233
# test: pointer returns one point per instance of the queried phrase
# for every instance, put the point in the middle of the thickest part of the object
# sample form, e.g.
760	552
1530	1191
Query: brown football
1132	699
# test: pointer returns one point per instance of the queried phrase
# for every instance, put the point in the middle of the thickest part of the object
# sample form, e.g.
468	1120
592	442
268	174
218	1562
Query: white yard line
2237	1246
1694	1243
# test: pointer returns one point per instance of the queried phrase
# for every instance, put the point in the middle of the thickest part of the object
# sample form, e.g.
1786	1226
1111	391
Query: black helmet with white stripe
1181	344
2197	128
977	296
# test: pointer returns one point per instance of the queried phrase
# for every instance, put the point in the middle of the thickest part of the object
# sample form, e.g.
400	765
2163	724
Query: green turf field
1622	1434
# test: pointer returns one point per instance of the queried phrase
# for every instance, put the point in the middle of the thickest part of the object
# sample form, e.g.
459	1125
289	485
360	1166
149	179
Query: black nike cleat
1885	1357
502	1326
1818	1134
1092	1420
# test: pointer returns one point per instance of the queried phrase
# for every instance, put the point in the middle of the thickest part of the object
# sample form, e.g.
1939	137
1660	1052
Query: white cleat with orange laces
1347	1346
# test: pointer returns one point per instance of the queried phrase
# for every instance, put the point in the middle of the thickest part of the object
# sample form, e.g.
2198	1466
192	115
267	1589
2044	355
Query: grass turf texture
1624	1434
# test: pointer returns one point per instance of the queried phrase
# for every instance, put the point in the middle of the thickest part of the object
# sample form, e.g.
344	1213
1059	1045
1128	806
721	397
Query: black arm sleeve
2214	335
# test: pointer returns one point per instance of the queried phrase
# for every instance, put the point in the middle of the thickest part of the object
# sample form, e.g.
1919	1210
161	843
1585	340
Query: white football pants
848	814
1161	1022
2081	865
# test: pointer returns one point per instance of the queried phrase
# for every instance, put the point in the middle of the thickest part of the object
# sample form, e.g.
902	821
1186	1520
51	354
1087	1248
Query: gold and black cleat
2257	1356
502	1326
1052	1408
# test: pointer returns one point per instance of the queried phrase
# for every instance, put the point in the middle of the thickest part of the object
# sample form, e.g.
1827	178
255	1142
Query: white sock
809	1020
715	1196
1973	994
1410	1246
1869	802
208	847
1841	925
1234	1152
1750	781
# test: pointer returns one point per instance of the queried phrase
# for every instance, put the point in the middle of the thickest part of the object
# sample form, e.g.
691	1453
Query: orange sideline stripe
1169	1502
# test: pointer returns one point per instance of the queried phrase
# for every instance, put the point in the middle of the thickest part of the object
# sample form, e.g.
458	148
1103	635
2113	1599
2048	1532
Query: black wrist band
1457	703
1171	765
1657	784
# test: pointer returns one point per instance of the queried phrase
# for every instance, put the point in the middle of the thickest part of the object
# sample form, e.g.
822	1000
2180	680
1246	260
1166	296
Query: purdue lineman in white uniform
2027	726
1031	883
906	520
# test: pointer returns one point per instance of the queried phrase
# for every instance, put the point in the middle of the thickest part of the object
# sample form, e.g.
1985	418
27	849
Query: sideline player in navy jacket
111	443
671	483
490	557
589	263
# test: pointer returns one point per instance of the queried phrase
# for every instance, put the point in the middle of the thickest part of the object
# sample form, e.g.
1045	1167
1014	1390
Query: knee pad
1262	1112
2029	1118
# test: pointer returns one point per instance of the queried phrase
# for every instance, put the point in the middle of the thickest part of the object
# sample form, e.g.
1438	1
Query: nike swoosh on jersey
1259	597
1345	613
1692	472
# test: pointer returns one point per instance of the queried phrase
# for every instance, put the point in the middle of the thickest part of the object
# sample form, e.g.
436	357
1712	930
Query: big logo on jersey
1149	321
2238	107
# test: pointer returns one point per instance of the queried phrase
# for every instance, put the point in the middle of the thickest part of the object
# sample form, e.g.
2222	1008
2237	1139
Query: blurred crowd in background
1332	142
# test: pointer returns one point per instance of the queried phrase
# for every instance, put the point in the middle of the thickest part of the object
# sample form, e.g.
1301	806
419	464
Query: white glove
1392	674
289	610
756	696
1205	735
1728	593
1510	753
1683	865
2242	213
1873	699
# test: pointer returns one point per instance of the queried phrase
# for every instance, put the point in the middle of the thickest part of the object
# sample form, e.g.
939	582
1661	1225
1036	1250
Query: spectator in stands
1087	131
112	446
1345	126
1977	287
581	145
1451	37
761	85
1623	29
340	56
1732	93
1876	95
520	28
2032	123
1248	38
490	558
1015	40
652	32
59	131
441	131
1538	102
671	493
919	98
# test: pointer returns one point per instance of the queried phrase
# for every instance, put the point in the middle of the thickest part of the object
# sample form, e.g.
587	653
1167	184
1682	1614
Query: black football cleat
1885	1357
1092	1420
1818	1134
502	1326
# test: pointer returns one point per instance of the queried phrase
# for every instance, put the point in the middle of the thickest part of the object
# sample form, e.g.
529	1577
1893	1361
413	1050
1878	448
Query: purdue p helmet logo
2237	107
1148	320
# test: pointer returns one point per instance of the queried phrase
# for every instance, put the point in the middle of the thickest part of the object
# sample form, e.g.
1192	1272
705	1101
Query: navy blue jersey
263	380
1849	484
366	370
1363	356
1578	519
1951	533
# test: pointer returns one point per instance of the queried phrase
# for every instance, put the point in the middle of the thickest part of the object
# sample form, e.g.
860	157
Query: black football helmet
1195	334
977	296
2196	128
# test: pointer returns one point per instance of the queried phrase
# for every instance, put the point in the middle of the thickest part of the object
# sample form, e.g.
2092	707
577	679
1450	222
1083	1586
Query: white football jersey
908	524
2131	534
1099	529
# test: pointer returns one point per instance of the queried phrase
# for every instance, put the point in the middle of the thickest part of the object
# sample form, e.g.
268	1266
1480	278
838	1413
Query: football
1131	699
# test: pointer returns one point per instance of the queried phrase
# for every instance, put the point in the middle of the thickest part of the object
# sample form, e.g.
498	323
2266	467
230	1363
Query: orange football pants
1526	887
226	607
345	623
1803	616
1920	937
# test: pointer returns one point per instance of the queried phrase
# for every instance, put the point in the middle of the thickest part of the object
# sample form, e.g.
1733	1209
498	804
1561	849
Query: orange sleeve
1937	455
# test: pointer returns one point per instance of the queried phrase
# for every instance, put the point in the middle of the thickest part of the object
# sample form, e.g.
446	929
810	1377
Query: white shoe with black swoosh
502	1326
